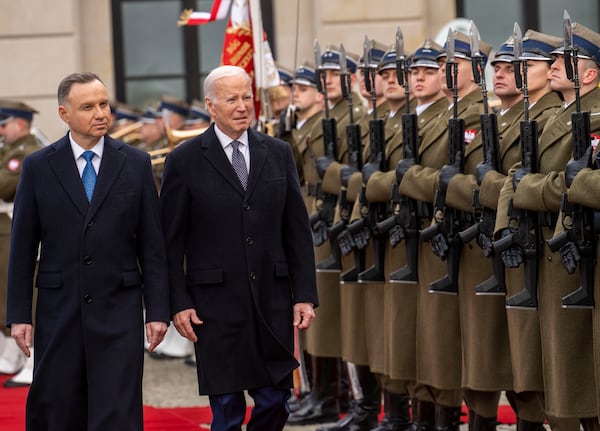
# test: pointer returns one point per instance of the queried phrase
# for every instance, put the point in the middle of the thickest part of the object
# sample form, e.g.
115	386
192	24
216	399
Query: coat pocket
281	269
48	280
132	278
204	276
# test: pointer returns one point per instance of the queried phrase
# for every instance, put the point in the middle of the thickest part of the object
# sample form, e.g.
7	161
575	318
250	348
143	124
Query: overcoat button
253	276
249	241
87	260
87	298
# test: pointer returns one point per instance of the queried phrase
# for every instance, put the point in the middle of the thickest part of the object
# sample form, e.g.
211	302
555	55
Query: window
495	19
153	56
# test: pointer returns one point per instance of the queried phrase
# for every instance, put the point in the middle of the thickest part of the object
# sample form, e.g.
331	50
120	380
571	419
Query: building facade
136	47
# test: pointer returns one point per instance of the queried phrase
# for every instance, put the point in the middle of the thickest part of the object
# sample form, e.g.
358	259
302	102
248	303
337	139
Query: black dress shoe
360	417
160	356
313	411
12	384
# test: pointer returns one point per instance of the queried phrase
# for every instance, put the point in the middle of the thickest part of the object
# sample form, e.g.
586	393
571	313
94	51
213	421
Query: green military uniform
10	170
447	375
400	299
323	337
361	316
523	325
567	342
585	191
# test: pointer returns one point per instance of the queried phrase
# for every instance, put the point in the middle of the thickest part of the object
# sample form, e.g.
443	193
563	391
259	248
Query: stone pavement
171	383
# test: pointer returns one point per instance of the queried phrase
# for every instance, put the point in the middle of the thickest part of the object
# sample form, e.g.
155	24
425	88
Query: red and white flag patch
470	135
594	140
13	165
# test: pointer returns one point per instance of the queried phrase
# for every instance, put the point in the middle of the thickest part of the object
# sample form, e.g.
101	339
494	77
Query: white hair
222	72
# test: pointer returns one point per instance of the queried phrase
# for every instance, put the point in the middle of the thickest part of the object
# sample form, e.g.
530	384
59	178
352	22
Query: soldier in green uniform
361	303
15	129
439	353
486	355
322	340
399	297
526	396
566	334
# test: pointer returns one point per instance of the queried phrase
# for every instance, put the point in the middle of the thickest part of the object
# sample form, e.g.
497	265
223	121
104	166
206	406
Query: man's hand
403	166
569	256
439	246
481	170
521	172
370	168
322	165
512	257
304	313
574	166
183	323
449	171
22	334
485	242
155	332
346	173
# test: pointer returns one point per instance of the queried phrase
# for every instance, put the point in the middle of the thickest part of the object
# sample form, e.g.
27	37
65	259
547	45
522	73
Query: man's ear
590	75
63	113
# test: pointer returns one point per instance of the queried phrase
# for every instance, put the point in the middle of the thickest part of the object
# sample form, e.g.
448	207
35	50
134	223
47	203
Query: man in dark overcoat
240	257
96	224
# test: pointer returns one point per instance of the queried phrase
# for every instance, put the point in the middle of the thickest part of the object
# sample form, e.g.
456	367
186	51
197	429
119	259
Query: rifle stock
527	234
408	211
486	217
582	231
325	202
450	223
375	212
333	262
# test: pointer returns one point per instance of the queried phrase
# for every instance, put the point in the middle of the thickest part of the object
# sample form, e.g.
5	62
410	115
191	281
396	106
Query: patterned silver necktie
239	164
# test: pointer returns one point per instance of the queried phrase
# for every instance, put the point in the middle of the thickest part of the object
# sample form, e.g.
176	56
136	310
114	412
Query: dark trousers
270	410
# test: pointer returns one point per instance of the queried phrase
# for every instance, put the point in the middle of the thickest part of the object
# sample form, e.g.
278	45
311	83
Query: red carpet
12	414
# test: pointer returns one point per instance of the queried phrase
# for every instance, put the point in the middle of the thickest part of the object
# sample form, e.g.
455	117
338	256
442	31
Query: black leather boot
447	418
363	413
523	425
321	404
396	413
481	423
590	424
423	414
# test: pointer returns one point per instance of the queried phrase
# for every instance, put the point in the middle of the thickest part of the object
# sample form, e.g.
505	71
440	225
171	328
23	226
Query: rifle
485	217
581	231
527	233
448	220
404	221
372	212
324	202
338	231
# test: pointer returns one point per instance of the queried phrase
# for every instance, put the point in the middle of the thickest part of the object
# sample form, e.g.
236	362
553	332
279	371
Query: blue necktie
239	164
89	174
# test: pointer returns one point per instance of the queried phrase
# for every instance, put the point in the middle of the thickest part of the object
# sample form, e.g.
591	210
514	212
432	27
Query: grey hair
222	72
64	88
